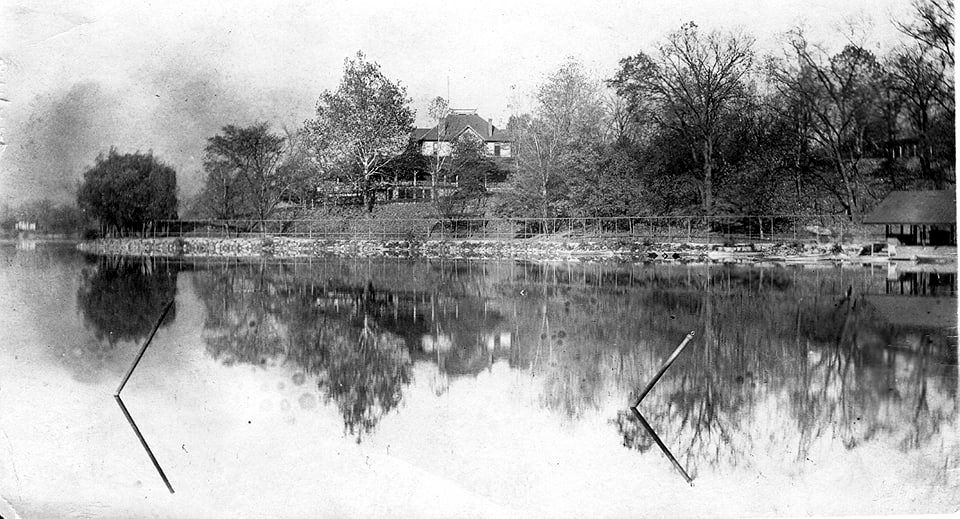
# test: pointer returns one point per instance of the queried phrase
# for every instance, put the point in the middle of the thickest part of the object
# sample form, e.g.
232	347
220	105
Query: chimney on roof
490	128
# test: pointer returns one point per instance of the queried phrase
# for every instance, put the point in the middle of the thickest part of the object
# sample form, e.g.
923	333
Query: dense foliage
705	126
361	127
250	171
126	191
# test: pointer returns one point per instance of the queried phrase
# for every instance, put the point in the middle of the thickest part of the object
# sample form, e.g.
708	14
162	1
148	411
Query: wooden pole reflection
660	444
143	442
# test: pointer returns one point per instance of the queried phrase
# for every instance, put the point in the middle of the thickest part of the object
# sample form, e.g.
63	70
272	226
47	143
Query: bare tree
692	82
921	84
251	156
569	116
840	93
438	111
932	27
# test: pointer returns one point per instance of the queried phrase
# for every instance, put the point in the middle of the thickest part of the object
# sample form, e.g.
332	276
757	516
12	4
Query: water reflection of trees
266	315
121	298
773	371
783	359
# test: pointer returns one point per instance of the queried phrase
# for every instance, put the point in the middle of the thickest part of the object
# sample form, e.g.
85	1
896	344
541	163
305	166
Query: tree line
703	124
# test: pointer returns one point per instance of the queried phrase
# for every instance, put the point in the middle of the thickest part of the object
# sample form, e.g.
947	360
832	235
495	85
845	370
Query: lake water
372	387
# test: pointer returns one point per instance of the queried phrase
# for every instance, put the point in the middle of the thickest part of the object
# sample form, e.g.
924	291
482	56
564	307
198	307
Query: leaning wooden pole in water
656	378
143	348
663	369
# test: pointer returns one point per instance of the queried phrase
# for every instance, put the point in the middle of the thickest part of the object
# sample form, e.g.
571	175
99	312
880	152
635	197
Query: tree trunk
543	195
850	203
368	194
708	176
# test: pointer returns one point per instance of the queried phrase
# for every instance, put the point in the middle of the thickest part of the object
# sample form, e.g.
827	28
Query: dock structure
918	225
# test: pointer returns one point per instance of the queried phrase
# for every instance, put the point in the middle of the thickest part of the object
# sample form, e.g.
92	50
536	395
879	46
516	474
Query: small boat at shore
936	260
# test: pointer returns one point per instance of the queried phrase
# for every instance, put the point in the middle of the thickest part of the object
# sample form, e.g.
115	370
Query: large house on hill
418	184
459	124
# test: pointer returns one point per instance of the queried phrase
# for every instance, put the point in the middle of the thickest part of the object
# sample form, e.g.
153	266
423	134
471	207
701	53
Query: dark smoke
65	130
173	108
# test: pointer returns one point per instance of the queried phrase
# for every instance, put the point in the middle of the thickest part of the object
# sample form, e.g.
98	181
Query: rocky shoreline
288	247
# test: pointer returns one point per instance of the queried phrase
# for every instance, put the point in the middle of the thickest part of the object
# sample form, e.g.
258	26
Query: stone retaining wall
285	247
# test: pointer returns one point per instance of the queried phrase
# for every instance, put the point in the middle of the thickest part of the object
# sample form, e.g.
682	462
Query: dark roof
418	133
457	123
915	207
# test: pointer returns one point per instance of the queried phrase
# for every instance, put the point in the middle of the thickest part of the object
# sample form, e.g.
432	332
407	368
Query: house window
496	150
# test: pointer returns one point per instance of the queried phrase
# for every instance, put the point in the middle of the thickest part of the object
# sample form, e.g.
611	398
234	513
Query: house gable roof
456	123
915	208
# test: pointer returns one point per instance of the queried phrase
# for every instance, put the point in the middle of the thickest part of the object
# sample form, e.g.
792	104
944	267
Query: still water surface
373	387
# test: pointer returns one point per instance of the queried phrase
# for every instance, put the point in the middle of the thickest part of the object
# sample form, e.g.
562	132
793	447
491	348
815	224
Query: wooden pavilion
918	224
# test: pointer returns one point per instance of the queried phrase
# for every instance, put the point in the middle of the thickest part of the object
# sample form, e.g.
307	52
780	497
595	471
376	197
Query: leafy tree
246	171
471	166
298	168
361	126
689	86
223	195
609	183
126	191
569	119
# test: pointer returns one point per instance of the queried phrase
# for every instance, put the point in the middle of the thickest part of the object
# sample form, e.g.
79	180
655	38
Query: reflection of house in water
920	302
922	279
919	296
460	334
918	224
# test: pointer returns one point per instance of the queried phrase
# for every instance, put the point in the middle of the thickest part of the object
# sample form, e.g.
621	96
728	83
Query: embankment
532	249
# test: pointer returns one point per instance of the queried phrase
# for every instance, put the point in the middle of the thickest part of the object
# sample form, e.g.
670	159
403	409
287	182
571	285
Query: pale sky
79	77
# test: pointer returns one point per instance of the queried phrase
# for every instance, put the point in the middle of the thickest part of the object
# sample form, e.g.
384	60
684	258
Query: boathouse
918	224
